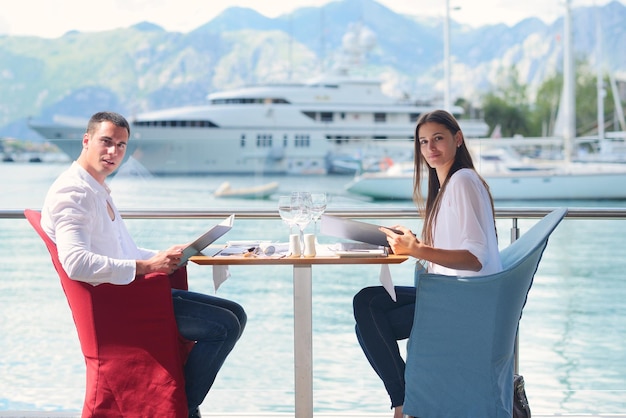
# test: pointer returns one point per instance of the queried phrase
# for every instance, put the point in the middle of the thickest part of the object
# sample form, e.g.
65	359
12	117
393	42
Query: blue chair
461	351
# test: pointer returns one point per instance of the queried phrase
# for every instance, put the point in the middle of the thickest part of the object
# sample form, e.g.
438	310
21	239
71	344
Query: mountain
144	67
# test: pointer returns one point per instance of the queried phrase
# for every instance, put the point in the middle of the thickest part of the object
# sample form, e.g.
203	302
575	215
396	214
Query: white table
302	310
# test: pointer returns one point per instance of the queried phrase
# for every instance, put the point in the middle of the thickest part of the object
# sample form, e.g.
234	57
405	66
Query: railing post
514	230
514	237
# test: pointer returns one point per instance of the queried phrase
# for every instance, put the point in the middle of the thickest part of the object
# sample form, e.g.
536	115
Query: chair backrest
534	238
461	351
86	333
34	218
524	254
129	338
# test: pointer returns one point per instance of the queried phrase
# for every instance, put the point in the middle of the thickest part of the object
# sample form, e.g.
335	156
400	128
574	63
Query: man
94	246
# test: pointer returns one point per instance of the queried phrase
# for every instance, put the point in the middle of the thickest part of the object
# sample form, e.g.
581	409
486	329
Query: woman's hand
406	243
401	240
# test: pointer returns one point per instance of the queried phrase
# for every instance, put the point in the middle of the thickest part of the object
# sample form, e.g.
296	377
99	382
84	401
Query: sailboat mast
569	86
447	101
600	78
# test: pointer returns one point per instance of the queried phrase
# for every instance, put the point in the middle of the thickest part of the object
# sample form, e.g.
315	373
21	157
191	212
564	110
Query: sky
53	18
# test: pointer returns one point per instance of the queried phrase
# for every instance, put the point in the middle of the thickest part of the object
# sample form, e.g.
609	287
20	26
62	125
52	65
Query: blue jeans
380	324
215	324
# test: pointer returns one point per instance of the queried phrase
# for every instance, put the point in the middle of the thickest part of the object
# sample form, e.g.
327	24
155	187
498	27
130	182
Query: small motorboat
262	191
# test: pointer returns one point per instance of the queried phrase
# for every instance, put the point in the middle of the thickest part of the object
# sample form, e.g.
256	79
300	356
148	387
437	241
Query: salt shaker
294	245
309	245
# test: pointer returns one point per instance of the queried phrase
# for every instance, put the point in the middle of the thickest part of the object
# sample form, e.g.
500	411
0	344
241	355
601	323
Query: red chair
128	335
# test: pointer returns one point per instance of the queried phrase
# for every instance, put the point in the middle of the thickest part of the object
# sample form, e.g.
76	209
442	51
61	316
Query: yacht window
176	123
491	158
415	117
380	117
302	141
311	115
250	100
326	116
263	141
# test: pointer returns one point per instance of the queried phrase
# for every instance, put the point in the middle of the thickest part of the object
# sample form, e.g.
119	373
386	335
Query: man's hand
163	262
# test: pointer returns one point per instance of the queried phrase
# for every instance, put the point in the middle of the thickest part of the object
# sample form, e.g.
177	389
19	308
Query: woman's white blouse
465	221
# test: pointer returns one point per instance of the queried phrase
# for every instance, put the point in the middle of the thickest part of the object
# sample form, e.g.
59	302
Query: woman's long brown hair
462	159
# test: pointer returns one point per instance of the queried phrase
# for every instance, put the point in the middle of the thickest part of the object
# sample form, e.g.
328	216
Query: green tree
508	106
587	100
546	106
549	95
466	105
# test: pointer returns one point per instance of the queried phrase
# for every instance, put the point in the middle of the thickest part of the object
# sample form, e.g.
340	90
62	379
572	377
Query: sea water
572	333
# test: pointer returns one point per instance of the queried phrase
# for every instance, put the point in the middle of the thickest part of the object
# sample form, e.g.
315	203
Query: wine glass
301	210
285	212
318	206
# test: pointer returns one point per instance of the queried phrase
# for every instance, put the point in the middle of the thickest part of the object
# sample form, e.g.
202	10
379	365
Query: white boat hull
262	191
590	183
192	151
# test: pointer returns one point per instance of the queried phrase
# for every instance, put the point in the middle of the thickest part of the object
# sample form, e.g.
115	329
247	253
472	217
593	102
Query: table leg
303	340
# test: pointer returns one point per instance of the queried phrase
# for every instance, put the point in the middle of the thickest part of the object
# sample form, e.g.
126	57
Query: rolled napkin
274	248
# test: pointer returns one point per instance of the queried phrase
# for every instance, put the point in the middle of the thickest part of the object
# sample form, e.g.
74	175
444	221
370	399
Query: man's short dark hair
115	118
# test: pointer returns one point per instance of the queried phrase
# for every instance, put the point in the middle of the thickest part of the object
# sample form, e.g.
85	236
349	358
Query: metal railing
400	213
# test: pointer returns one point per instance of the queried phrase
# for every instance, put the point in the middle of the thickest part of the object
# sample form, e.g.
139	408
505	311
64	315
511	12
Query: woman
458	238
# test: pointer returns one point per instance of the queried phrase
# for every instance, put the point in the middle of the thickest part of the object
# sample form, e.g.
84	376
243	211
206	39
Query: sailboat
609	146
513	178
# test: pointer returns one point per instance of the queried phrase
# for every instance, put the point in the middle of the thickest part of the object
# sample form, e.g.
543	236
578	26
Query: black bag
520	402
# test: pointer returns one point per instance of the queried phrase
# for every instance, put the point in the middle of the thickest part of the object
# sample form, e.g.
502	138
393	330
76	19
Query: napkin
386	281
274	248
220	275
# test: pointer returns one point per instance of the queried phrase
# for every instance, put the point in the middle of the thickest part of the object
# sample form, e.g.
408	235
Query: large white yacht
306	128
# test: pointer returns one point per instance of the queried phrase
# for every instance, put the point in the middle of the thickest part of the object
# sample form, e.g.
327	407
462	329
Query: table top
232	260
